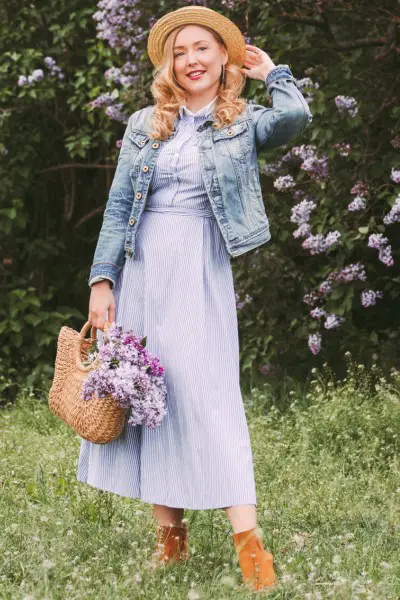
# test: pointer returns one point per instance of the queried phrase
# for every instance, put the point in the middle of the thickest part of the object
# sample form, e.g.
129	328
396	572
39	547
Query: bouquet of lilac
128	373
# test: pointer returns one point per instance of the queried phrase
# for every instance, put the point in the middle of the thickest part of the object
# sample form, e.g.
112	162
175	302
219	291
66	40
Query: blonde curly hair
169	95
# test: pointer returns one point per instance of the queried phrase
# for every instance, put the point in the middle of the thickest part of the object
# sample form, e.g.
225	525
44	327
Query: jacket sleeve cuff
104	270
277	73
98	278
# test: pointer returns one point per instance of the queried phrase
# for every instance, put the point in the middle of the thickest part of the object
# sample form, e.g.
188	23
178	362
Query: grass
328	487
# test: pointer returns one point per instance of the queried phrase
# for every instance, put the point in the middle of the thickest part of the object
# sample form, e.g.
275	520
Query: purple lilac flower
394	213
118	143
102	100
310	298
314	342
317	168
360	189
306	82
130	375
319	243
380	243
347	105
369	297
395	175
333	321
359	203
49	61
239	303
317	313
22	80
285	182
344	149
352	272
116	113
298	194
117	23
301	212
325	287
271	168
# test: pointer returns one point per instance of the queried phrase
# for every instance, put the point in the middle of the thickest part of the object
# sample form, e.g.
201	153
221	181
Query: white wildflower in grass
284	182
336	560
48	564
193	594
228	580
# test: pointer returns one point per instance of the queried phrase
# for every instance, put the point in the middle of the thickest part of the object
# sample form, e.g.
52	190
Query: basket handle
81	339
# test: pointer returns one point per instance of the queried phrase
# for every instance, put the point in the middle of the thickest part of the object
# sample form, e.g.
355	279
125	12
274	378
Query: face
196	49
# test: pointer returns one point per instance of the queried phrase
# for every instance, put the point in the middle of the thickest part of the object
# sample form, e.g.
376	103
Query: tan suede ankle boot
171	544
255	562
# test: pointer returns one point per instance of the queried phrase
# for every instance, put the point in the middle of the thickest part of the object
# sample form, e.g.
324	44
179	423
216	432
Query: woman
185	198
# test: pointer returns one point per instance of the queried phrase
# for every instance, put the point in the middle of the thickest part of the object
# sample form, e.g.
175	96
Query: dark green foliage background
55	177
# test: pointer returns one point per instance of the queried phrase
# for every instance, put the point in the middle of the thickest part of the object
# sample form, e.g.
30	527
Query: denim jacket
228	160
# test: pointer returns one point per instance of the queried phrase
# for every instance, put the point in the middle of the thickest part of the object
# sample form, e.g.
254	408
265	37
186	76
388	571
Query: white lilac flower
395	175
333	321
394	213
303	230
301	212
22	80
359	203
385	256
31	79
319	243
369	297
314	342
37	74
285	182
347	105
317	313
49	61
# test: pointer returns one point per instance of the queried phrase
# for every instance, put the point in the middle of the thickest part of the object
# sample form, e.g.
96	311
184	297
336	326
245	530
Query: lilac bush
130	374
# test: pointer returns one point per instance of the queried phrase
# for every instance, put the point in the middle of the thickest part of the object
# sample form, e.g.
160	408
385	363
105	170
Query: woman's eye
200	48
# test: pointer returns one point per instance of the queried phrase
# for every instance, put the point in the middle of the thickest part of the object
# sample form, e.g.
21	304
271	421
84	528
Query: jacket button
230	132
139	195
142	143
155	145
145	168
131	221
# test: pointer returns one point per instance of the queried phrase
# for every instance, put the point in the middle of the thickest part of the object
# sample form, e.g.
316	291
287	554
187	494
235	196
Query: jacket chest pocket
139	141
232	140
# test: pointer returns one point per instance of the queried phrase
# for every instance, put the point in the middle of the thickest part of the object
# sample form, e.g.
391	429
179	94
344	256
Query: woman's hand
258	63
101	301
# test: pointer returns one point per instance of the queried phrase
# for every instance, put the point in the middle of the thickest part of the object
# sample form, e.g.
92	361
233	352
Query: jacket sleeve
109	256
289	115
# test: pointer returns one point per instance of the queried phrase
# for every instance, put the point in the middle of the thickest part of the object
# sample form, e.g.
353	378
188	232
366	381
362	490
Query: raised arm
289	115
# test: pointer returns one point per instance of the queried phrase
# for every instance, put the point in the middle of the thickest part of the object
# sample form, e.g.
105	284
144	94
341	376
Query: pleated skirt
178	291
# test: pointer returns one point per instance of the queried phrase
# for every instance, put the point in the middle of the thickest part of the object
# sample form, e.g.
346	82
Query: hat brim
196	15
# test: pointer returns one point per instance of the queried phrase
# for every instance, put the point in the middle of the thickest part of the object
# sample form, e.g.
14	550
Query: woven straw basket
97	420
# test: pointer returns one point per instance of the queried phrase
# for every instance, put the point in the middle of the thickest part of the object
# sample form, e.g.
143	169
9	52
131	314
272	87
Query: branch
76	166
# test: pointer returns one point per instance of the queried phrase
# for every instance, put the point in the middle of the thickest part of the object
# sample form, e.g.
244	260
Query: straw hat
196	15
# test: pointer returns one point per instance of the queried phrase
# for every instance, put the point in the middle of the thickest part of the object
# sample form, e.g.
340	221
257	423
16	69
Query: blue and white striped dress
178	291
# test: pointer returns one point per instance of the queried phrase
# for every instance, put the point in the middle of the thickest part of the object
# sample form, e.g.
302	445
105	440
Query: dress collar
206	110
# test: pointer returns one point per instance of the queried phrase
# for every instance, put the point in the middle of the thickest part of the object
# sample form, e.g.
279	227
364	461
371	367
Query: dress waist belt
182	210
